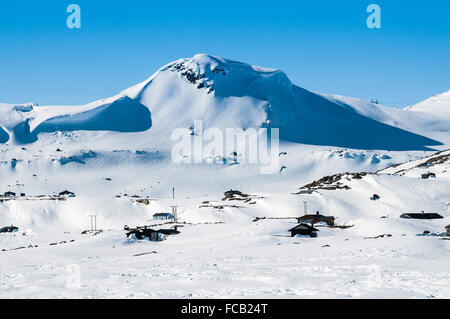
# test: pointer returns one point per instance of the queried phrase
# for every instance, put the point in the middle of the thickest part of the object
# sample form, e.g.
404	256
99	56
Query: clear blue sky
322	45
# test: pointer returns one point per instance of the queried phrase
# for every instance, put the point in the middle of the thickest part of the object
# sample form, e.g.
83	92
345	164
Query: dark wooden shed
10	194
152	234
9	229
142	233
66	193
304	229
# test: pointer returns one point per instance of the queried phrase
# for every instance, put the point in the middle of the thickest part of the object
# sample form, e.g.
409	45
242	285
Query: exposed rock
235	195
332	182
379	236
438	159
193	74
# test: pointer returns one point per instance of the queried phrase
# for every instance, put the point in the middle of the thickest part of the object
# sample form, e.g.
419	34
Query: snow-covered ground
113	152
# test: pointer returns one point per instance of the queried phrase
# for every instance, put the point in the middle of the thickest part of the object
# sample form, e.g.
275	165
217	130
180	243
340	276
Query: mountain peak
227	78
205	59
222	94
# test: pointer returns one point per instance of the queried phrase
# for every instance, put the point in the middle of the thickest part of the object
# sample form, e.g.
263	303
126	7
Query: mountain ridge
225	93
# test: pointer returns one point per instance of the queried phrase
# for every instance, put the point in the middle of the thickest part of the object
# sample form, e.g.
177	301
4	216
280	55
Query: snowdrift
123	115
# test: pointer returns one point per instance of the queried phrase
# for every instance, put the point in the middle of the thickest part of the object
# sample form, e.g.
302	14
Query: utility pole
93	220
175	214
173	192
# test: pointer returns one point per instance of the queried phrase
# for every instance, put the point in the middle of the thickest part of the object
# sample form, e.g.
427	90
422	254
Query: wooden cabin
9	194
316	218
305	230
142	233
9	229
152	234
66	193
447	228
421	215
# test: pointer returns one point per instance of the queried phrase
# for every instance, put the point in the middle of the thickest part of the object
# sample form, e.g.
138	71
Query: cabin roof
304	226
319	216
421	216
162	214
66	192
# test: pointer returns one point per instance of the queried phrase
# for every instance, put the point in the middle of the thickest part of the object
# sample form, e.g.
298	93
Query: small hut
305	230
151	234
428	175
447	228
9	194
66	193
9	229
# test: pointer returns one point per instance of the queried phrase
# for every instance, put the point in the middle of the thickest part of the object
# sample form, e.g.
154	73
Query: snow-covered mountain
438	105
114	155
430	118
228	94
